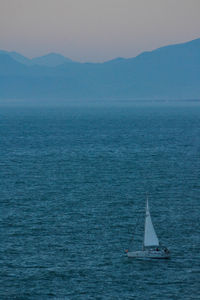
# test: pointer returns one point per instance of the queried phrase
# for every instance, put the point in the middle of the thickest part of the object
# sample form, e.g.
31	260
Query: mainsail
150	237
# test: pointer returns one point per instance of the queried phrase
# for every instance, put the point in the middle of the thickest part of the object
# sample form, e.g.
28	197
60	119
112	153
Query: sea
74	176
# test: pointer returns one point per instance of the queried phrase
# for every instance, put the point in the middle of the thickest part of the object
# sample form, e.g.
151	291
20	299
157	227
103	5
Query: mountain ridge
50	59
167	72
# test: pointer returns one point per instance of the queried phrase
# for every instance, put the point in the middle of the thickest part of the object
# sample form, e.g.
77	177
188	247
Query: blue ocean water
73	182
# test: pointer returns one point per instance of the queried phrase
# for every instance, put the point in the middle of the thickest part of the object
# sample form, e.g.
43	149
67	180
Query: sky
96	30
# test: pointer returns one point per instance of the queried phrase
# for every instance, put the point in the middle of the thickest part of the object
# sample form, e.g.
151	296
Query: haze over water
73	182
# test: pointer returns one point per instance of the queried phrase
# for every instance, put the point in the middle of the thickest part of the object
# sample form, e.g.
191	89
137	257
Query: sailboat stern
152	253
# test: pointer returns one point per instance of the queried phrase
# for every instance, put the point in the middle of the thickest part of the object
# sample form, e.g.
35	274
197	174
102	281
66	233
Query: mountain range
49	60
170	72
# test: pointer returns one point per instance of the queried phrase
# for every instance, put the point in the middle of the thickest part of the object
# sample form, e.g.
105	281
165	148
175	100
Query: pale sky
96	30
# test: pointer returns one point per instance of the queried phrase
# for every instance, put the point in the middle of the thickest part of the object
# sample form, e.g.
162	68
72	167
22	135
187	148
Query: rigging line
133	234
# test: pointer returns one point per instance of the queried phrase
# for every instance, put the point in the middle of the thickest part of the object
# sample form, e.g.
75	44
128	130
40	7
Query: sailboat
151	246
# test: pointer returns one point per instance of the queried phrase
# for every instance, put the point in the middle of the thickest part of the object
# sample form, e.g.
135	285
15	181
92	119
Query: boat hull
149	254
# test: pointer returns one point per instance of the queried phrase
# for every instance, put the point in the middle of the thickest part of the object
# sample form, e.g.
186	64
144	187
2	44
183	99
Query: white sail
150	237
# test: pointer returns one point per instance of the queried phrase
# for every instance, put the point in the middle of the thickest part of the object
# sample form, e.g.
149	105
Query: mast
145	218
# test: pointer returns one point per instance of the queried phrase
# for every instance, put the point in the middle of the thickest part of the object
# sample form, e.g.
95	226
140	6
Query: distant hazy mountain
49	60
171	72
18	57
